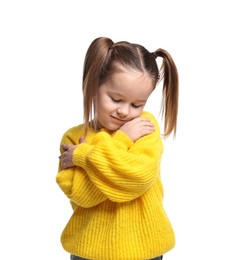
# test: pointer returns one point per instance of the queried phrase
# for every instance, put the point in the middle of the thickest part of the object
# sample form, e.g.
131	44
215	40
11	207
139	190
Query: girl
110	165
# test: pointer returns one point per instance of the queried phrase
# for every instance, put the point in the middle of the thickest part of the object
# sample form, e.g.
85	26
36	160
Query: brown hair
103	58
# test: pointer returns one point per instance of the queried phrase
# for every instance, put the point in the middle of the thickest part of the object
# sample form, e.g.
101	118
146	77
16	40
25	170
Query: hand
137	128
66	158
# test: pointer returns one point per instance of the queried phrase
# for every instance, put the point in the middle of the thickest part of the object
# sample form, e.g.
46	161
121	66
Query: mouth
119	120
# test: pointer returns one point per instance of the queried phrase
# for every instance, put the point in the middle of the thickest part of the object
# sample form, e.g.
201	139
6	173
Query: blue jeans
73	257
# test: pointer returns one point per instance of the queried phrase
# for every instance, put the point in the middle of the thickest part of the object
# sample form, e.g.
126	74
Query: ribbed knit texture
116	193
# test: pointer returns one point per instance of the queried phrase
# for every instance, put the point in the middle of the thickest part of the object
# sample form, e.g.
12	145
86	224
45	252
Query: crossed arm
134	129
119	167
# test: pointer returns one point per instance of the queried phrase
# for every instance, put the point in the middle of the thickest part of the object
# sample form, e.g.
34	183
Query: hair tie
112	46
154	54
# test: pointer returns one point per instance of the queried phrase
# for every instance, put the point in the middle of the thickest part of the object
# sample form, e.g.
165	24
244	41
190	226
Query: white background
42	48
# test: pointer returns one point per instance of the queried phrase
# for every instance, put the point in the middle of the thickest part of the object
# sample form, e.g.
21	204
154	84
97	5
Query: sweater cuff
80	154
123	138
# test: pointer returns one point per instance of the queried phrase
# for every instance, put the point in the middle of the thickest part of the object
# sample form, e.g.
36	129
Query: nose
123	111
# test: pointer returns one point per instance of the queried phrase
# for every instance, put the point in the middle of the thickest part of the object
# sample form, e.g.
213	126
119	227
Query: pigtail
169	107
92	70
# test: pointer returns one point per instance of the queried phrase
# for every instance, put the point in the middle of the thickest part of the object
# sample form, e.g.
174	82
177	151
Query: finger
147	130
63	155
151	125
141	119
81	140
63	165
145	119
146	123
65	146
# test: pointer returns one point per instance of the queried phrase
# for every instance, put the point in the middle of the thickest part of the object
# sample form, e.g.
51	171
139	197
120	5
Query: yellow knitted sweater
116	194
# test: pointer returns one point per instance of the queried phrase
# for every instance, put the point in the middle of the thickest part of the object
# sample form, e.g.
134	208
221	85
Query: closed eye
135	106
119	100
115	100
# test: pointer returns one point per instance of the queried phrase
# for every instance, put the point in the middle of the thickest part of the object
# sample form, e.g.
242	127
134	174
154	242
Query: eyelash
134	106
115	100
118	101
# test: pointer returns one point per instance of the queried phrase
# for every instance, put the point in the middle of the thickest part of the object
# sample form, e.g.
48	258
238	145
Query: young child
110	165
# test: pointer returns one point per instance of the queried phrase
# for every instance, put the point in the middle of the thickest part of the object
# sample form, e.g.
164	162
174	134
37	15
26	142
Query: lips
119	120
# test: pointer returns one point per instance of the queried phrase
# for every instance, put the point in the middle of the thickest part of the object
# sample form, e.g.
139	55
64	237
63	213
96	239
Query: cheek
107	106
104	107
136	112
101	104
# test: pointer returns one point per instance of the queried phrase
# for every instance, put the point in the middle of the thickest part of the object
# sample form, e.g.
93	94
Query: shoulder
75	129
73	134
150	116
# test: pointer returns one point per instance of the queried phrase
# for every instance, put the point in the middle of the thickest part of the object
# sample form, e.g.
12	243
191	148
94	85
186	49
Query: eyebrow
121	96
140	101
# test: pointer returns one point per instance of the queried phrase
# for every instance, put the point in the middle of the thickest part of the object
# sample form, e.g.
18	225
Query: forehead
129	83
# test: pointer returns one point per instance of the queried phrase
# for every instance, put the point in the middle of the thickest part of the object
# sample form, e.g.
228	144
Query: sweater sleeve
119	168
76	184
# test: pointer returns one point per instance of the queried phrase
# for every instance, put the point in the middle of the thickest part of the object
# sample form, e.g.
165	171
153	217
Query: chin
112	127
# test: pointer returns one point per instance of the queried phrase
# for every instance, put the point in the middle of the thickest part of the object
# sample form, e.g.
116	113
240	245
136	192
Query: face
122	98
